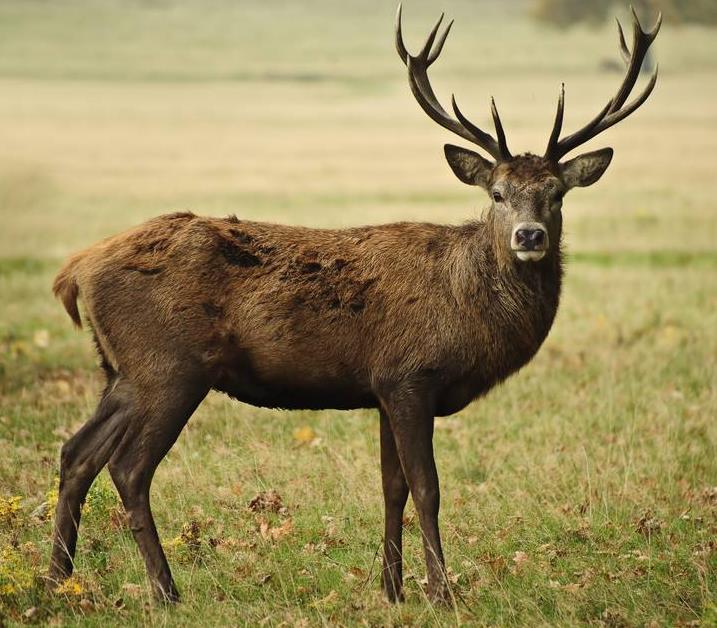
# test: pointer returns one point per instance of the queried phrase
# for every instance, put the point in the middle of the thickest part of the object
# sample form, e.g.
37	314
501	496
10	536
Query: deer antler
423	92
614	111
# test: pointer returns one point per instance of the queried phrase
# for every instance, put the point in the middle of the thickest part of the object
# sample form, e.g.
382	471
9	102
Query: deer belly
295	387
453	399
458	394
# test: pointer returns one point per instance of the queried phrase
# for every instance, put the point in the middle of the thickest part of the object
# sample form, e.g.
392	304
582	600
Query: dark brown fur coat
293	317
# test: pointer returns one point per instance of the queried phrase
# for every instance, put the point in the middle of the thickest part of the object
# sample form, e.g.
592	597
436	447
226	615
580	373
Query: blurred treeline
568	12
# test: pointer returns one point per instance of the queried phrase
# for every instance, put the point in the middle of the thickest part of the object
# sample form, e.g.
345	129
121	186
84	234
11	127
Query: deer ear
585	169
468	166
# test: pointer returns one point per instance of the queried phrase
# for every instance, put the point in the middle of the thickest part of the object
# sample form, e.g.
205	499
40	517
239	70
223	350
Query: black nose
530	239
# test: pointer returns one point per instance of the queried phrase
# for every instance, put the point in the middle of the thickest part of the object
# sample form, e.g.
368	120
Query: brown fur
304	318
526	167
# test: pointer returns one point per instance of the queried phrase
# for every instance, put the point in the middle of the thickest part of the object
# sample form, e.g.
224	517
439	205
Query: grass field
583	491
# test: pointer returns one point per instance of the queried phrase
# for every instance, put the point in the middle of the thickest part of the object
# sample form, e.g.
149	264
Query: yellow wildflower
71	587
175	543
9	507
53	495
15	575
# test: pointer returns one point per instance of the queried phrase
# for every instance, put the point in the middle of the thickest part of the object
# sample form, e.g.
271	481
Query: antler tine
426	50
656	28
624	50
580	136
400	46
502	144
615	110
439	46
485	140
615	116
558	124
423	92
640	43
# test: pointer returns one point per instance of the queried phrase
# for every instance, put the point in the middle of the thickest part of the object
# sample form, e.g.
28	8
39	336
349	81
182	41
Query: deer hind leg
81	459
147	440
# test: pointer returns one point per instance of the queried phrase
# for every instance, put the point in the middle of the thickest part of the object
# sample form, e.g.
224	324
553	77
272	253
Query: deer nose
530	239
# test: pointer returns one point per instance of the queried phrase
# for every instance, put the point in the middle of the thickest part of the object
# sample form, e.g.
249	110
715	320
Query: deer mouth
530	256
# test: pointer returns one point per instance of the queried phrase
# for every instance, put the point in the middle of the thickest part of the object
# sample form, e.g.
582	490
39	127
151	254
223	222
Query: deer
415	320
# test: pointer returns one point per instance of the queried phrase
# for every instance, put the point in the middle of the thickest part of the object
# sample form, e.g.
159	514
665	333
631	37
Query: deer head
527	190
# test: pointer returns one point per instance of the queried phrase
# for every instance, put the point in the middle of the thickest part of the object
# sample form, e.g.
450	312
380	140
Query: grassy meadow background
583	491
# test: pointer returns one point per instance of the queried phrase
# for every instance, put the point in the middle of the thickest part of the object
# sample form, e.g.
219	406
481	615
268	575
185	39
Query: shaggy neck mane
484	273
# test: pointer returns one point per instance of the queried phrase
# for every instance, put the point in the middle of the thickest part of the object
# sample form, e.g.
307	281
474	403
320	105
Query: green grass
582	491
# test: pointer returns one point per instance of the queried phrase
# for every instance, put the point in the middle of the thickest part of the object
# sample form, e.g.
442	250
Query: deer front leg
411	419
395	494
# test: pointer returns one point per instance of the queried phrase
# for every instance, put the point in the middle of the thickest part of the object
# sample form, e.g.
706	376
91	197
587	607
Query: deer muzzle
529	241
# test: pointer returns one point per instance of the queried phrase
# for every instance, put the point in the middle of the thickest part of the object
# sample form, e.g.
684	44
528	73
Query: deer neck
526	294
509	298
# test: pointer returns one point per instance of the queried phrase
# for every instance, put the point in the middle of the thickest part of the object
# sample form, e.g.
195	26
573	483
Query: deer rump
298	318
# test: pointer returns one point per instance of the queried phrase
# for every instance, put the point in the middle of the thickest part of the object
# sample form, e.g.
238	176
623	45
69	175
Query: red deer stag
416	320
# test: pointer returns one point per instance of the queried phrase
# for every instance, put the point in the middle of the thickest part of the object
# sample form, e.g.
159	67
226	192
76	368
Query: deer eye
497	197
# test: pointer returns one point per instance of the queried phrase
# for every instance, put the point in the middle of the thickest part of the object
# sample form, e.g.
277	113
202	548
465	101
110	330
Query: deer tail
67	289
